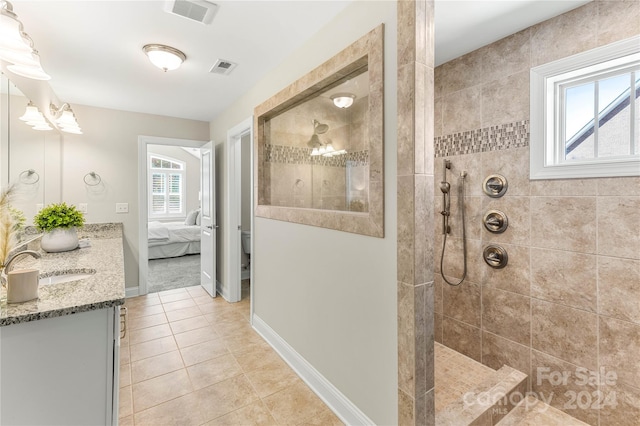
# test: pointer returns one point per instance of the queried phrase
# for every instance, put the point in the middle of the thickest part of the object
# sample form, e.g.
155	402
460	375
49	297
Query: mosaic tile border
494	138
296	155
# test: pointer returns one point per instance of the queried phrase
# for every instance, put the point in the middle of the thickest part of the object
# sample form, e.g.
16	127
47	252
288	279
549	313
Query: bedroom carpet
174	272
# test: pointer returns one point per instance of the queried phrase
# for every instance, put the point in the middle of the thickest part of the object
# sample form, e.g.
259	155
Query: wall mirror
319	144
29	158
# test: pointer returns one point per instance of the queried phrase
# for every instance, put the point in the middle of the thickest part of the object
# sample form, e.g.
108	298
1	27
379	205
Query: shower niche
319	144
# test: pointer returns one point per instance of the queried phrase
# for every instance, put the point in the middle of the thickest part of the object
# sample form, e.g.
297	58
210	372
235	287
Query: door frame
233	209
143	211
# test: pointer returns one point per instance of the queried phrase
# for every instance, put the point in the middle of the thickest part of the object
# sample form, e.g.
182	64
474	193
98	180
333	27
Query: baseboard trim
339	404
131	291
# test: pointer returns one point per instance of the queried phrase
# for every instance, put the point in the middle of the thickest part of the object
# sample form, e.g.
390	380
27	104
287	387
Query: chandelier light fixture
65	118
33	117
164	57
16	47
343	100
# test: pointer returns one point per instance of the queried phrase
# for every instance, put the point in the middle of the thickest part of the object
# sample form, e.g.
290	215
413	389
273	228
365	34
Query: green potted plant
59	223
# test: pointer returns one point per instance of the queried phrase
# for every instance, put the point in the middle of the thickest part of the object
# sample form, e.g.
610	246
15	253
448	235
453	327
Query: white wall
109	146
192	175
331	295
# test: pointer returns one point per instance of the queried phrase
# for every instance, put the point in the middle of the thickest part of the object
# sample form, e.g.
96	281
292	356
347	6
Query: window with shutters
166	187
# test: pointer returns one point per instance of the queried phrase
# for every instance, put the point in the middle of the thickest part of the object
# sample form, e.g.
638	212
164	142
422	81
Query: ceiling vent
196	10
223	67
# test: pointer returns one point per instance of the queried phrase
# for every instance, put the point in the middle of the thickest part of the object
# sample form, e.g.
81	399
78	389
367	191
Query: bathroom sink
65	277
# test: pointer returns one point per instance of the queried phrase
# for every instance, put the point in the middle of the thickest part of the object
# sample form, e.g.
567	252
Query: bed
173	239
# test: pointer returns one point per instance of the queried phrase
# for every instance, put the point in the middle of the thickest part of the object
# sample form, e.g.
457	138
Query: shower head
319	128
445	187
314	142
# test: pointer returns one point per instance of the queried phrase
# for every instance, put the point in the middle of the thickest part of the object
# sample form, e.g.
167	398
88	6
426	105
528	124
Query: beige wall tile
507	56
517	211
564	187
547	382
461	111
462	337
498	351
506	100
461	73
618	230
513	164
619	186
406	229
506	314
454	260
423	229
567	34
437	117
462	302
619	349
564	277
406	338
516	276
437	328
617	20
564	223
574	341
621	405
437	293
406	121
469	163
405	406
619	288
424	334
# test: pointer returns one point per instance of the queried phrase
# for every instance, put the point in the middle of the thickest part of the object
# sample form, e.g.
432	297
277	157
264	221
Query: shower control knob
495	186
495	256
495	221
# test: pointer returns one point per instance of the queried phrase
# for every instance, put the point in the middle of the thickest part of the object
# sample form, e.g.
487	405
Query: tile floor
189	359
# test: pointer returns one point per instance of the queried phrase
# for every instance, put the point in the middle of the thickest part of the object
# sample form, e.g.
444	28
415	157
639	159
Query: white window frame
183	186
546	154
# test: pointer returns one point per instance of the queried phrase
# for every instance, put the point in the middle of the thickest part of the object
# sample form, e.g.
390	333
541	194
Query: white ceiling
92	49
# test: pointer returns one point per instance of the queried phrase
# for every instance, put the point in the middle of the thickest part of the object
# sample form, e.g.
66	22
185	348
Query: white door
208	219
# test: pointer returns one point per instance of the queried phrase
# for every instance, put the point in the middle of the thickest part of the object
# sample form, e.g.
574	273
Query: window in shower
585	114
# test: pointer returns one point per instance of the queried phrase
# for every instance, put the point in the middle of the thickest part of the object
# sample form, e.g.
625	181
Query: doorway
239	205
170	198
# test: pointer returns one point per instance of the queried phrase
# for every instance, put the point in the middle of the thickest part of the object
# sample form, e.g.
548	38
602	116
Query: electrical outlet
122	207
82	207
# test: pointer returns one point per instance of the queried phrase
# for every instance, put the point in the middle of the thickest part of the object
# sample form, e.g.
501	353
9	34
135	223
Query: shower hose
446	232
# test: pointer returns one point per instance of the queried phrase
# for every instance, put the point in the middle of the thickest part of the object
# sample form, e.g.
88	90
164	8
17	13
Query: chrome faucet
9	264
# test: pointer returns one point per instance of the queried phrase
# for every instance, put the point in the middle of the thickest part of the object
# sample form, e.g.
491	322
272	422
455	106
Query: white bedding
172	239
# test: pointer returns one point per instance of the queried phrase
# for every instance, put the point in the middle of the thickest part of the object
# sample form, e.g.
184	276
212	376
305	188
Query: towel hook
29	177
92	176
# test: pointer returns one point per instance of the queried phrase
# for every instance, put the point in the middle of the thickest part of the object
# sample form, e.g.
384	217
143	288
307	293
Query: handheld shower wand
445	187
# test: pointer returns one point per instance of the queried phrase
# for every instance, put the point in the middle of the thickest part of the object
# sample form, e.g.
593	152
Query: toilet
246	248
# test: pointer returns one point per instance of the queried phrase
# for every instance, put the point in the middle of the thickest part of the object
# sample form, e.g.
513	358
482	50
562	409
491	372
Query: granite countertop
103	289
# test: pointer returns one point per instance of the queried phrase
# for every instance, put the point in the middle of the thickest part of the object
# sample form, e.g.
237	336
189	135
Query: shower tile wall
299	180
570	295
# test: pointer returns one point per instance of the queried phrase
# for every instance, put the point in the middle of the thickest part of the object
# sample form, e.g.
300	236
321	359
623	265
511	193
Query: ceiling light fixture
164	57
33	117
65	118
343	100
16	47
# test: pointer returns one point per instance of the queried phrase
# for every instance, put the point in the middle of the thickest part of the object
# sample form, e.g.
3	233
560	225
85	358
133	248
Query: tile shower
569	298
298	179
